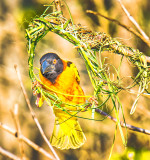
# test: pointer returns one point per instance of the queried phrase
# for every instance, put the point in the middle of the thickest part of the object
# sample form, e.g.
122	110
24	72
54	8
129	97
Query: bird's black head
51	66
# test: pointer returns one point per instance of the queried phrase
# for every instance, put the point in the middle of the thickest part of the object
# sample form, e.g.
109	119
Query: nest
90	46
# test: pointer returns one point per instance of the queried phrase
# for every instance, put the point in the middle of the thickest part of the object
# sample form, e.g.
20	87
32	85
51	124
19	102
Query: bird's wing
75	70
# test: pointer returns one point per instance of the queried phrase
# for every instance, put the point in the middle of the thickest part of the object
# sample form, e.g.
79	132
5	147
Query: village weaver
62	78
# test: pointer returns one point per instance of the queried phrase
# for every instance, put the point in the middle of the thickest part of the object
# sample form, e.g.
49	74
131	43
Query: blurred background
14	19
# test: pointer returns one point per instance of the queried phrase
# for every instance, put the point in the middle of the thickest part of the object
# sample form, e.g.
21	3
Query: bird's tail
67	134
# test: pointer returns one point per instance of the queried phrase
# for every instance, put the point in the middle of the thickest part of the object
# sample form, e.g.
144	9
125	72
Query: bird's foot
93	99
35	85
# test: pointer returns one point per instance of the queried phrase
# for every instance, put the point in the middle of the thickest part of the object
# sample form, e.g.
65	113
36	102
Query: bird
62	77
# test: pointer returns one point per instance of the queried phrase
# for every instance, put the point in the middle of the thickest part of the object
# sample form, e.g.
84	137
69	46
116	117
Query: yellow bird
63	77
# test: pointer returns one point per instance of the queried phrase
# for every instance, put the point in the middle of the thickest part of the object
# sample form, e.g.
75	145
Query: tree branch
130	29
134	22
26	140
130	127
8	154
33	114
14	113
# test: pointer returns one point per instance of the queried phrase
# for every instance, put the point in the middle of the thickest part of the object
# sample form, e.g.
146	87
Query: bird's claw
93	99
35	84
39	100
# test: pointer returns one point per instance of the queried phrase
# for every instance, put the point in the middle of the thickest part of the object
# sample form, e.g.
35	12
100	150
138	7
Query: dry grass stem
130	29
33	113
27	141
14	113
58	5
8	154
134	22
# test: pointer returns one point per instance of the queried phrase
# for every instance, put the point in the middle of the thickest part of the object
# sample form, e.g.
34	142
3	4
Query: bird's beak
46	67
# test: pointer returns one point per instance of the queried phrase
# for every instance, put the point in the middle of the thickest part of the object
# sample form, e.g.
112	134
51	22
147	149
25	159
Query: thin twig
8	154
16	121
134	21
130	127
26	140
130	29
33	113
58	5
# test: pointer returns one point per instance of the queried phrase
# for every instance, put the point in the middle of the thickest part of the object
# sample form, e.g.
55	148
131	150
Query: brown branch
8	154
33	114
130	29
134	22
14	113
26	140
128	126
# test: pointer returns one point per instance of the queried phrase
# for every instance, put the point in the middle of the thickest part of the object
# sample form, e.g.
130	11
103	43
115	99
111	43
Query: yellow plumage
67	133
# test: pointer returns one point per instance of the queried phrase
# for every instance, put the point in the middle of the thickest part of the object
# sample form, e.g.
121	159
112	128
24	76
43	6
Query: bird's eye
54	61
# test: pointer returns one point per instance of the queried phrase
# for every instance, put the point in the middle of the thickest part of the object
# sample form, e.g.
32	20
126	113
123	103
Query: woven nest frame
90	46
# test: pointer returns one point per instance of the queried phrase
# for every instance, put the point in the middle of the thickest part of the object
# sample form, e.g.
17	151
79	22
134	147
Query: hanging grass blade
118	121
